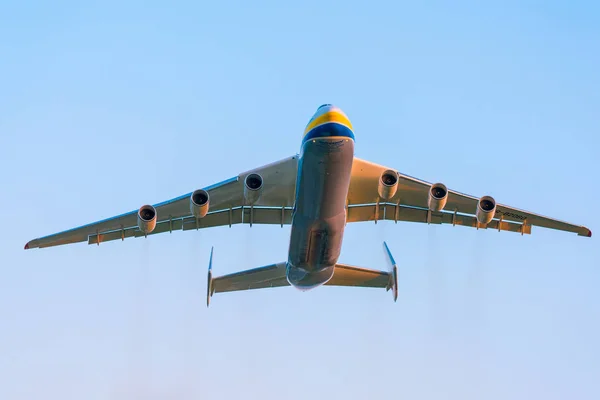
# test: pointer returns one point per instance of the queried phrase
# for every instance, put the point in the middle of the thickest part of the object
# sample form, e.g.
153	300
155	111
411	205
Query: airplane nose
328	121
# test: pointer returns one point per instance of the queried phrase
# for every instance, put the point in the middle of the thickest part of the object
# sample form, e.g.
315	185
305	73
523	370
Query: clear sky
105	106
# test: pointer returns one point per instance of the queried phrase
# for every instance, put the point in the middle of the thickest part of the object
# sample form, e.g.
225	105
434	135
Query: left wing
229	202
411	200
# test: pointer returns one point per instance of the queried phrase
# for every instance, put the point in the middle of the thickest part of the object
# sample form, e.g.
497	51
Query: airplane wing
264	195
381	193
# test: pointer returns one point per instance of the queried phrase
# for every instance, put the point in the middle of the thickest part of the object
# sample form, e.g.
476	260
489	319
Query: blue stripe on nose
329	129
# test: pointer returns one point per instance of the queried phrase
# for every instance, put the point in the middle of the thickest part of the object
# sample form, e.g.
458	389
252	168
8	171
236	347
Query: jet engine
253	185
388	184
146	219
199	202
438	196
486	209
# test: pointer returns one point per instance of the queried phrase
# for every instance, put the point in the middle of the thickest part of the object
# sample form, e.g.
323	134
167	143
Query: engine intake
486	209
438	196
253	185
199	203
388	184
146	219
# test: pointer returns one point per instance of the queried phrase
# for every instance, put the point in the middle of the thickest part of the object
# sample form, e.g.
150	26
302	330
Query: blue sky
107	106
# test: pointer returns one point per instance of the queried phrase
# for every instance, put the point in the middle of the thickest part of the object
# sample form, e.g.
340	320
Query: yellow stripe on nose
330	116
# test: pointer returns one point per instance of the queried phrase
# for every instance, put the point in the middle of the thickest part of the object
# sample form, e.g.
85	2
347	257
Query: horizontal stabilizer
349	275
269	276
274	275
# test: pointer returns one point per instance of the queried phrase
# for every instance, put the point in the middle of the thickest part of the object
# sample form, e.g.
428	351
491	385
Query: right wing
227	206
410	203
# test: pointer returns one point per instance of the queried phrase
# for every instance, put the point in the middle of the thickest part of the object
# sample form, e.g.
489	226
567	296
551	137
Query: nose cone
328	121
328	113
326	108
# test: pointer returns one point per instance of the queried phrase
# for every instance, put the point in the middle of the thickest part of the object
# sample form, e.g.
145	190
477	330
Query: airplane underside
319	216
317	192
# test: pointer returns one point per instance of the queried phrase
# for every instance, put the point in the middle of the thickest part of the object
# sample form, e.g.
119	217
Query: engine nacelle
486	209
146	219
438	196
388	184
253	185
199	202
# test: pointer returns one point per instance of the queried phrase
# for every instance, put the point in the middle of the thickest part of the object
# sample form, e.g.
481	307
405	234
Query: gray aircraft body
319	217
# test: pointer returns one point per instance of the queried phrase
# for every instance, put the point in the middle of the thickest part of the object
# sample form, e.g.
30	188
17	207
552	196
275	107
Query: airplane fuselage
319	216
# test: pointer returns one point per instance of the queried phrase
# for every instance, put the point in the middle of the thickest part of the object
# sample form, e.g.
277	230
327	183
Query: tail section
274	275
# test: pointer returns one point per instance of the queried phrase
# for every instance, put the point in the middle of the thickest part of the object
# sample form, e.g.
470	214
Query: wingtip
586	232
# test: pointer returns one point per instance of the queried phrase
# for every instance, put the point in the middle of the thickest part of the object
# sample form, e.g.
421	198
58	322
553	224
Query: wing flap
394	212
214	219
175	208
238	215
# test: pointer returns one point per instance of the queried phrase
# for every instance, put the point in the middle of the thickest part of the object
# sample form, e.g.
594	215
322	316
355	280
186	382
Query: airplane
317	191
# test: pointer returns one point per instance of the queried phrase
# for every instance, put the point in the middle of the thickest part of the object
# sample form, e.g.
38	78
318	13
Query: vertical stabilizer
209	281
393	270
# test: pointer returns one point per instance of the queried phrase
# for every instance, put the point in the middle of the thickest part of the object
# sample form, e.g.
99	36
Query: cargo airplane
317	191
